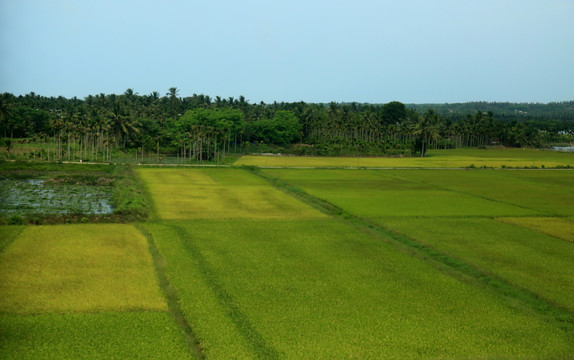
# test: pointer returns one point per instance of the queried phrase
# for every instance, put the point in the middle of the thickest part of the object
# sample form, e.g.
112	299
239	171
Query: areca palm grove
199	128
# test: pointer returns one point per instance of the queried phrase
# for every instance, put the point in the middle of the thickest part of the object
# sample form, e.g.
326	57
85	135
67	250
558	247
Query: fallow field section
309	258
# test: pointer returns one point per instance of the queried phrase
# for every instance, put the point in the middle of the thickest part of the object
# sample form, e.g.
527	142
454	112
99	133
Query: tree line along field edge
199	129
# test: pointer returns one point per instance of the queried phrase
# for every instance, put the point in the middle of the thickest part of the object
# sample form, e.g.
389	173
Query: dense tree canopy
202	128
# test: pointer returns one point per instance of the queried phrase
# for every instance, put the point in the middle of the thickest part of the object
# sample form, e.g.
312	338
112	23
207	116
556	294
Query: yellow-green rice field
78	268
278	263
83	292
458	158
219	194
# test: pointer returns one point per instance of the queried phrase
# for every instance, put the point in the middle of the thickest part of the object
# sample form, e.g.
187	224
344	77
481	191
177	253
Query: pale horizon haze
413	51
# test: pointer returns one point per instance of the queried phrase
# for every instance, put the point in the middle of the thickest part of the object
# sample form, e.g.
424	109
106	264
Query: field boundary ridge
170	293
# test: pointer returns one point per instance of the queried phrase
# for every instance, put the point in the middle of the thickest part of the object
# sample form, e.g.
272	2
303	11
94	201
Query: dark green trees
206	134
201	128
283	129
426	129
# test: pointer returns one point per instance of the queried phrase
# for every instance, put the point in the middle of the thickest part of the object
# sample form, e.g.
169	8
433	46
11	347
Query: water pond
41	196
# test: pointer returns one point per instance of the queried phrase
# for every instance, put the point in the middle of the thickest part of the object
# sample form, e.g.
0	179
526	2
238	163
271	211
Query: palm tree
174	101
426	129
5	115
122	123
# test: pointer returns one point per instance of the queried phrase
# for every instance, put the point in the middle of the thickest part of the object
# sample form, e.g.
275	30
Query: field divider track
514	296
171	295
261	349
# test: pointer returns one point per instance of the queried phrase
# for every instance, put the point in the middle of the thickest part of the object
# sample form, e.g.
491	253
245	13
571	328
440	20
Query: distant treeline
542	115
200	127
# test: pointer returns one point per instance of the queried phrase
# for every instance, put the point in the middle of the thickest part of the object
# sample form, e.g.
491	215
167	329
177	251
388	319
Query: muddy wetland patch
53	196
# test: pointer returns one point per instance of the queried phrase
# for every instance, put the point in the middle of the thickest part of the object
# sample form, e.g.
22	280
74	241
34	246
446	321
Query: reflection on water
563	148
36	196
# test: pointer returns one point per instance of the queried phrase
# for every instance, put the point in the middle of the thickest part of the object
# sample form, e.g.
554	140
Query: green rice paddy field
83	292
305	264
457	158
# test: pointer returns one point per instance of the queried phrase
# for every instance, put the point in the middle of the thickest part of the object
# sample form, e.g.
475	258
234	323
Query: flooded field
45	196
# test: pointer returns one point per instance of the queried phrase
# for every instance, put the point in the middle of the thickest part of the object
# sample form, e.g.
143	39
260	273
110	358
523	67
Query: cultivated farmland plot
219	194
82	292
272	287
459	158
373	193
305	264
319	289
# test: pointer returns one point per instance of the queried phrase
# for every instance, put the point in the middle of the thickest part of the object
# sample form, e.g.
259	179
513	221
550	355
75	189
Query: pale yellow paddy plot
456	158
219	194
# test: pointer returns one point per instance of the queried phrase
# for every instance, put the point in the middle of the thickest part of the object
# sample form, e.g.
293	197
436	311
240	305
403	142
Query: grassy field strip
320	289
218	194
548	192
132	335
78	268
459	158
523	257
374	193
212	325
560	228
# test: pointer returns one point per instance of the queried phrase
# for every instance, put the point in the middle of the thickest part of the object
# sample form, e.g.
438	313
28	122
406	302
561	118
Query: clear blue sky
414	51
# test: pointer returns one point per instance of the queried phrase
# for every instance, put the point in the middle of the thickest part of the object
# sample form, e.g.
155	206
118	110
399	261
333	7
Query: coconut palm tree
426	129
5	115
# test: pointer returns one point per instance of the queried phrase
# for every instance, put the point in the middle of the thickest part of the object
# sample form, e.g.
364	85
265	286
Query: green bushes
129	199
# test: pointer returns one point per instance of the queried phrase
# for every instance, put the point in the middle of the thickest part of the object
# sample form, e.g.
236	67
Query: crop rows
525	258
317	288
321	290
82	292
366	266
219	194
